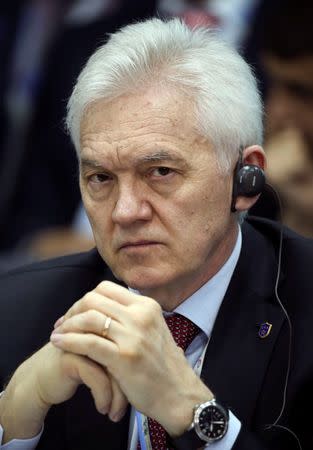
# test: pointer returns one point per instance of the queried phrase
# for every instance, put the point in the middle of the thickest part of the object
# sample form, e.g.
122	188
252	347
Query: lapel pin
265	329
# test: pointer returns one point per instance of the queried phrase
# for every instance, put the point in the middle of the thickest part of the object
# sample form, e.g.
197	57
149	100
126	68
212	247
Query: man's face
158	204
290	98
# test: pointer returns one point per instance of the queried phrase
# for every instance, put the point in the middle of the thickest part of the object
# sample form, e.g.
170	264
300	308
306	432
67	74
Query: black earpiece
249	180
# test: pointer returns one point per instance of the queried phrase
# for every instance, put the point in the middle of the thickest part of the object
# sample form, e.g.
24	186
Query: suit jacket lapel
236	359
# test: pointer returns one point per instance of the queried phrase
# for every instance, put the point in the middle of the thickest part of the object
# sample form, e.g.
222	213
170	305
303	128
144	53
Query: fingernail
58	322
56	331
118	416
56	338
104	410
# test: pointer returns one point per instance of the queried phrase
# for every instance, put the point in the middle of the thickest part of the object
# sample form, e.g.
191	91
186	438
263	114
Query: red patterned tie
183	331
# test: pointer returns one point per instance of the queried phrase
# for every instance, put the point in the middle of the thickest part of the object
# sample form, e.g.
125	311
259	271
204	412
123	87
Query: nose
131	205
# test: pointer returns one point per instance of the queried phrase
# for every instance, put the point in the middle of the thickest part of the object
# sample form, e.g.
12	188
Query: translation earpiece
249	181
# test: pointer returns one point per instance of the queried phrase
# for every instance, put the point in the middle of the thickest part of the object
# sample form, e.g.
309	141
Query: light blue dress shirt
201	308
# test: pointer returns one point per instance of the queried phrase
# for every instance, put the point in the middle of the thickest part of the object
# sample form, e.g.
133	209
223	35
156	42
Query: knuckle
143	319
69	313
104	284
146	317
134	351
87	299
90	318
130	354
154	306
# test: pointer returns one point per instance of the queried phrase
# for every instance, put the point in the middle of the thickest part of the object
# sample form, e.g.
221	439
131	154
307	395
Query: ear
251	155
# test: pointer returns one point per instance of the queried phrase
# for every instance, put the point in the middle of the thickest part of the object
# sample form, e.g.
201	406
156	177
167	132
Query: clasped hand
138	353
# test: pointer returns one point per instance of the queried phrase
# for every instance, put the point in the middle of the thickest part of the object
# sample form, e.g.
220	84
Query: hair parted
228	109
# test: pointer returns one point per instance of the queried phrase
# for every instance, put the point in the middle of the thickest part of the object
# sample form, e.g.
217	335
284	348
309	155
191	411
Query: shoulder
293	244
90	260
67	276
34	296
294	258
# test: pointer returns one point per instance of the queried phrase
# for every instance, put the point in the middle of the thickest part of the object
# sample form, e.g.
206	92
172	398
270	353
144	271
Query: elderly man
184	329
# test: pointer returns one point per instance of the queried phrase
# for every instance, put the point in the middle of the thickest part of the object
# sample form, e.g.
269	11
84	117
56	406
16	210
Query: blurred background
44	45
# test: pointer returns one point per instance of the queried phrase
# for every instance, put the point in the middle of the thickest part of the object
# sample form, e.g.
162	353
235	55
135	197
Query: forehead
152	119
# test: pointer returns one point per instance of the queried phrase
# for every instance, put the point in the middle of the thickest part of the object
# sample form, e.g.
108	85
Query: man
163	119
286	45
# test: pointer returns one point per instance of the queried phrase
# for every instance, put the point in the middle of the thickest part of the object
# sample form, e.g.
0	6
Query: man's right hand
51	376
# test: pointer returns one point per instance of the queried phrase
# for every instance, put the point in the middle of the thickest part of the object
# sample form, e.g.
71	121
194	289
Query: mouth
138	244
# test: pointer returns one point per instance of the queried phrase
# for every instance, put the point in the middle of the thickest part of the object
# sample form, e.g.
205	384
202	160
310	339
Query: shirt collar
203	305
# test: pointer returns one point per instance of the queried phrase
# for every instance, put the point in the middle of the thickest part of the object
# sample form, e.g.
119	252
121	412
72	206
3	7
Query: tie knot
183	330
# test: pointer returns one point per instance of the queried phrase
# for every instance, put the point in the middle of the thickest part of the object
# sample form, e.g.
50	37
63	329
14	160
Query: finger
96	301
119	402
91	321
95	347
118	293
59	322
94	376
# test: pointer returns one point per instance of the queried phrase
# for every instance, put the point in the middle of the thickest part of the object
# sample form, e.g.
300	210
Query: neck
172	295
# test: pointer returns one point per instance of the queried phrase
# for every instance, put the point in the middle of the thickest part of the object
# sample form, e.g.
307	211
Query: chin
143	280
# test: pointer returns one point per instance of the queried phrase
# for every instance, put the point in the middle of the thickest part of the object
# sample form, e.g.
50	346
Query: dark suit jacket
245	372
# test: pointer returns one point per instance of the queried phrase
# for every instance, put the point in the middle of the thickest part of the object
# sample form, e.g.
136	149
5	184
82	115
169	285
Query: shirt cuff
230	437
20	444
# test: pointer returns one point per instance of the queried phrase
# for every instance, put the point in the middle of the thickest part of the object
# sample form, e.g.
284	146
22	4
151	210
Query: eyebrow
161	155
85	162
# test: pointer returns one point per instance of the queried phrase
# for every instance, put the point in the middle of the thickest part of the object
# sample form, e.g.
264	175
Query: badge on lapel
264	330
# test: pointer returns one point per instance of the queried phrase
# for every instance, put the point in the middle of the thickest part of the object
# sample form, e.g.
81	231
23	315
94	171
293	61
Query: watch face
211	422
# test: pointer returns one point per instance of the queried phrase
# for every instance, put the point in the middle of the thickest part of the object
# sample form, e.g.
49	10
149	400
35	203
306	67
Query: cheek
213	201
215	213
99	220
203	215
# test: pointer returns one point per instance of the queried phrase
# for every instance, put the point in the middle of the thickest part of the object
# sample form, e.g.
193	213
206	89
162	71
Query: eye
161	171
99	178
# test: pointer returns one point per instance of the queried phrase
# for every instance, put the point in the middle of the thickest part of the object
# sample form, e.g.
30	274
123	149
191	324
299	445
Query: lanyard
142	421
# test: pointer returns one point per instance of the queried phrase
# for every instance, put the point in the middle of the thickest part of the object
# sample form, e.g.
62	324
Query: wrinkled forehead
134	130
155	106
146	119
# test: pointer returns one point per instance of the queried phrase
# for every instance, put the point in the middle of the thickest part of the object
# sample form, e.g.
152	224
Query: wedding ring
106	327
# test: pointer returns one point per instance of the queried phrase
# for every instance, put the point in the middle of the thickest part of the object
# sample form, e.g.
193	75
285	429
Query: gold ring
106	327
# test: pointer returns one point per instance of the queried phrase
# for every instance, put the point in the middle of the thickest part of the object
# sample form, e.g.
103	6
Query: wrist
181	411
22	413
209	425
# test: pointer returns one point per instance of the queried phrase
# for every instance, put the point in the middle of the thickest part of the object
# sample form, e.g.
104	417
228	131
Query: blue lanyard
141	435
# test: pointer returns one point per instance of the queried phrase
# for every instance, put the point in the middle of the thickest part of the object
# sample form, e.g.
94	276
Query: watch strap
188	441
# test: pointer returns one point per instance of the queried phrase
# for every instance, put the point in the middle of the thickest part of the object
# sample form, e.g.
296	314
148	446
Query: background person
284	45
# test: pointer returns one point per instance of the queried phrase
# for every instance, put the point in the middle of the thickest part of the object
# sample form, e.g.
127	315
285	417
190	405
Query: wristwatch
210	424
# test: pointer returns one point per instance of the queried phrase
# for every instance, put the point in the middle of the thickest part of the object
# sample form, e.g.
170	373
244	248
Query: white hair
228	109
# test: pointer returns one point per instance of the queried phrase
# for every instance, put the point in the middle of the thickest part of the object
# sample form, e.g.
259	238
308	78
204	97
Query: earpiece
249	180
